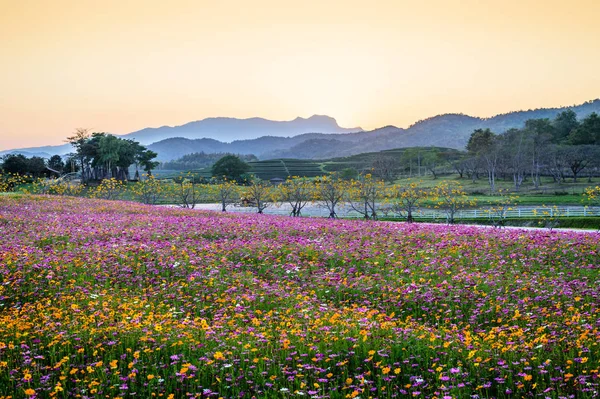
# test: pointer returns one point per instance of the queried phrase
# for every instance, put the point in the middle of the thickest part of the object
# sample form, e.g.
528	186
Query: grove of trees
104	156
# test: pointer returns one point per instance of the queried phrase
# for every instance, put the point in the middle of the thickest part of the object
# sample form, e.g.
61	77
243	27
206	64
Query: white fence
316	210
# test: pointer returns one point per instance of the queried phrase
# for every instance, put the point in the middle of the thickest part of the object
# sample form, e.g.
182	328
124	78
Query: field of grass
103	299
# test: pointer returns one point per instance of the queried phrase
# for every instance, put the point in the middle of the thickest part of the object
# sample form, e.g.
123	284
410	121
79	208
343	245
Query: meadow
113	299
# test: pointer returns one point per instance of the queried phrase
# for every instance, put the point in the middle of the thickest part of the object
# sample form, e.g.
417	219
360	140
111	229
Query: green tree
564	124
485	145
15	164
36	166
79	141
56	163
588	132
144	158
230	167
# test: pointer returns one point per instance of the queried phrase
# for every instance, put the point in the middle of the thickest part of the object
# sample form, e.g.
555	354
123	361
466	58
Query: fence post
475	214
519	212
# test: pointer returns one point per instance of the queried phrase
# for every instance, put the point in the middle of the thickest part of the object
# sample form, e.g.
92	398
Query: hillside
448	130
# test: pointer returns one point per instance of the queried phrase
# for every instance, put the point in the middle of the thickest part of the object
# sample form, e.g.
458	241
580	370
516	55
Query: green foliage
588	132
20	164
199	160
101	155
348	173
230	167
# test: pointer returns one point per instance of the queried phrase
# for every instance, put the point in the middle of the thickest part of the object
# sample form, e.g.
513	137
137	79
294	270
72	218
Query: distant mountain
320	136
229	129
449	130
222	129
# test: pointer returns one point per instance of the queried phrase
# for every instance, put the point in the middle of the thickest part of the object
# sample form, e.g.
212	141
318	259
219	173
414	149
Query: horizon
121	68
63	142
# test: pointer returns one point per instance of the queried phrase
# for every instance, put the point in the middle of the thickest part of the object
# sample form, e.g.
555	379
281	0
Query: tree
15	164
230	167
451	198
588	132
56	163
385	167
109	148
579	157
331	190
297	192
78	141
513	152
364	194
144	157
225	192
349	174
484	144
261	194
36	166
149	190
538	135
564	123
431	160
406	199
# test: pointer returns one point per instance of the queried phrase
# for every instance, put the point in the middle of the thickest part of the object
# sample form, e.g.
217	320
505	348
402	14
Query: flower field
103	299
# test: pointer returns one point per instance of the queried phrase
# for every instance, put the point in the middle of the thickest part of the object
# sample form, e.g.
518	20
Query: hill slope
448	130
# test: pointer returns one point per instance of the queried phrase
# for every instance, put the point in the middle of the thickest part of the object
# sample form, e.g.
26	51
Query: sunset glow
120	66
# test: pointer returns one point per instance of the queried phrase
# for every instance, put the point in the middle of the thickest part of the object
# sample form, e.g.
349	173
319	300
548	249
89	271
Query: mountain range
318	136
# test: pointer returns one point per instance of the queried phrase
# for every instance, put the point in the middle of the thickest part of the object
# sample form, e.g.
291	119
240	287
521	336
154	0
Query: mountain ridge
450	130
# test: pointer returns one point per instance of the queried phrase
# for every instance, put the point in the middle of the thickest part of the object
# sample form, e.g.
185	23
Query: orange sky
123	65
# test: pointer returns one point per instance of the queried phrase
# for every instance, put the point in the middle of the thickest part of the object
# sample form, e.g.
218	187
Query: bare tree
385	167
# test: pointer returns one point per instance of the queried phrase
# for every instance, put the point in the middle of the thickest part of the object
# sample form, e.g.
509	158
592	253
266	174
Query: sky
119	66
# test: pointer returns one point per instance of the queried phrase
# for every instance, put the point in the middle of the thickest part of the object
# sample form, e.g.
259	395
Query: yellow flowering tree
405	199
260	194
225	192
148	190
498	210
297	191
364	195
331	191
450	197
109	189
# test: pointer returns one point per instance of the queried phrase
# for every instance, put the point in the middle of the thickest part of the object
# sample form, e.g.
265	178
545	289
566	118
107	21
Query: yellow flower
150	376
385	370
29	392
348	381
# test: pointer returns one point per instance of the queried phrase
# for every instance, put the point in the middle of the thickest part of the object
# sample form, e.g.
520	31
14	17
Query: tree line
562	148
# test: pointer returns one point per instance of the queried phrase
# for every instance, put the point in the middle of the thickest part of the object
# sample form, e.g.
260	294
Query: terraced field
284	168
